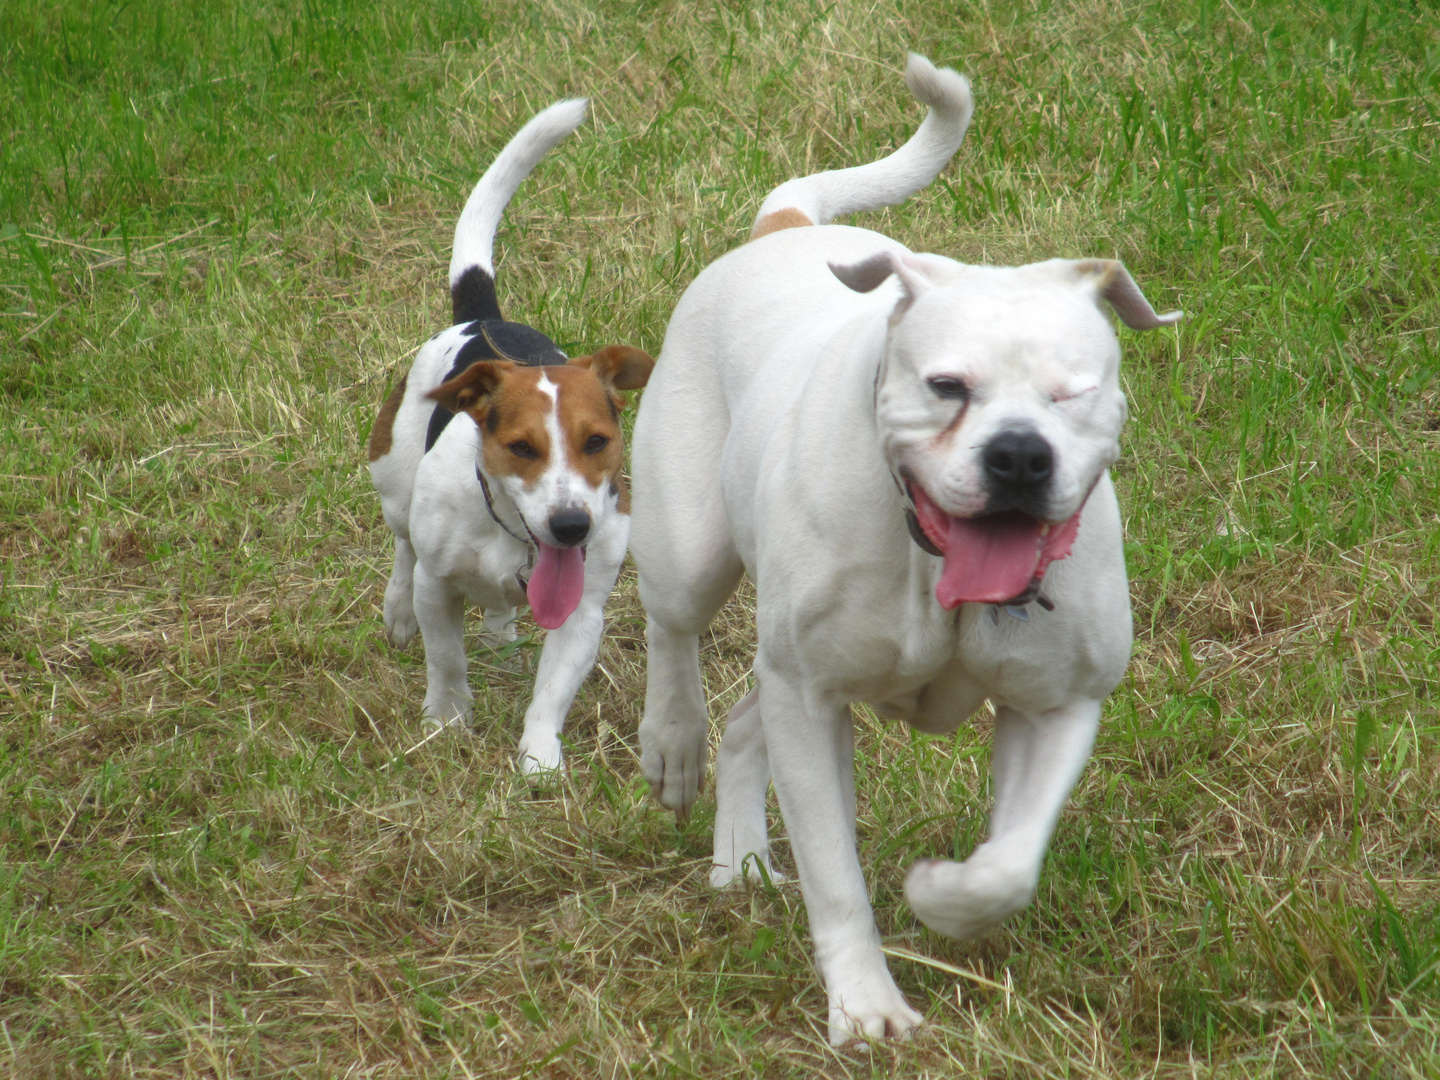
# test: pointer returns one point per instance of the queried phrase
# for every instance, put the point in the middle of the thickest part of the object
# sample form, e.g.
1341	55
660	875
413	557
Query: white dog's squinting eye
1070	395
948	387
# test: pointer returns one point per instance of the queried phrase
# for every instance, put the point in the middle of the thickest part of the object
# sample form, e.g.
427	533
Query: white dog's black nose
570	526
1018	461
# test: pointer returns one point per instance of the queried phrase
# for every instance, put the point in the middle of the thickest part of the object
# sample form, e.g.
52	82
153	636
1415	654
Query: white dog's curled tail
820	198
472	265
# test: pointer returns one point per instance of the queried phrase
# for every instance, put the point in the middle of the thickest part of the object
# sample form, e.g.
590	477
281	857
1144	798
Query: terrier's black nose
570	526
1017	460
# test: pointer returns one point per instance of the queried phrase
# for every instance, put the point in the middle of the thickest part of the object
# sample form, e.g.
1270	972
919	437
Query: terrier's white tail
824	196
472	265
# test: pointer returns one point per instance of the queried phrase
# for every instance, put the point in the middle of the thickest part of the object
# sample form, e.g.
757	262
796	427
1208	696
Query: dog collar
529	544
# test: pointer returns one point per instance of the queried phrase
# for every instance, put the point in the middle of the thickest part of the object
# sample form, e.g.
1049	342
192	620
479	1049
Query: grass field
228	850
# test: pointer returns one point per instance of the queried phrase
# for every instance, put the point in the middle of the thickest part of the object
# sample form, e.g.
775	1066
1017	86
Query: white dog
820	389
523	498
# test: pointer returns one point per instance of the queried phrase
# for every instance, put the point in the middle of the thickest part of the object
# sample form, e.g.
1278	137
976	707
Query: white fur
781	409
822	197
475	231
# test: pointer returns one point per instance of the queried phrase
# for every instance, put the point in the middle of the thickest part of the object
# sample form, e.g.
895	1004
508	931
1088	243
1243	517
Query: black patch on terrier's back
494	339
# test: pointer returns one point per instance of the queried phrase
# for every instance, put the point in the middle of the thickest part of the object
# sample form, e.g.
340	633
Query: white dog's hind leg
685	558
440	611
742	777
1037	761
400	624
809	743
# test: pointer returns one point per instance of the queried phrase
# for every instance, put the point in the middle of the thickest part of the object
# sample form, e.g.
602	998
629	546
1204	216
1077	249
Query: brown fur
587	410
515	412
786	218
472	385
618	367
383	433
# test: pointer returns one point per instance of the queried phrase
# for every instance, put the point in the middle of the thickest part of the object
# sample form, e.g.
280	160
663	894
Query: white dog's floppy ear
867	275
1115	286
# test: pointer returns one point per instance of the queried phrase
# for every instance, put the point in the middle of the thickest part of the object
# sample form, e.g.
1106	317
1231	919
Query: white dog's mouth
995	558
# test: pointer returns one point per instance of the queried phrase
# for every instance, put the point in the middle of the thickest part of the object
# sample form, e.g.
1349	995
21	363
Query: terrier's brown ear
471	386
618	367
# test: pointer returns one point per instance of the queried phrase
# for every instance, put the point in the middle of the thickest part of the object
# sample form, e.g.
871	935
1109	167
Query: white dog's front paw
673	761
401	626
966	900
540	759
870	1008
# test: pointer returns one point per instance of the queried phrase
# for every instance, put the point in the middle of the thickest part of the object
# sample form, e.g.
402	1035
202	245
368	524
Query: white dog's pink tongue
556	584
988	560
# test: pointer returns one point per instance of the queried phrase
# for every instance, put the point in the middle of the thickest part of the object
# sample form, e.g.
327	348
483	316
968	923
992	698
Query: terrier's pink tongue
990	559
556	584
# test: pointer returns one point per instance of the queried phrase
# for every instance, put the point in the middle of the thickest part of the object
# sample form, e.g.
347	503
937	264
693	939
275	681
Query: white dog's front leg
673	743
742	777
811	752
1037	761
400	624
569	654
440	611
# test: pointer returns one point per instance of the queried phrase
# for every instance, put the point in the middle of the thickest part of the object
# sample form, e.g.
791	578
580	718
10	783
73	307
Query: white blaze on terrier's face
999	408
550	437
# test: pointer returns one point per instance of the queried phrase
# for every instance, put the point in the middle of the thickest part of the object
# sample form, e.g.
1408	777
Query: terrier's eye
947	387
522	449
596	443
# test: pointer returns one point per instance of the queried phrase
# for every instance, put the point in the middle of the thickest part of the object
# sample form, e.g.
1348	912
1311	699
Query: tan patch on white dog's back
382	435
786	218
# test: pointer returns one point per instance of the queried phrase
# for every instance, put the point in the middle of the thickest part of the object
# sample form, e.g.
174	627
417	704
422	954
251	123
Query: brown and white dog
898	449
523	498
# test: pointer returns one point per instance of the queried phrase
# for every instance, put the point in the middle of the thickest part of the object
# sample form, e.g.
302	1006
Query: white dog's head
999	407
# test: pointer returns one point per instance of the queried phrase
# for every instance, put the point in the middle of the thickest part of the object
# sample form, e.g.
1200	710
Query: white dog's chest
971	653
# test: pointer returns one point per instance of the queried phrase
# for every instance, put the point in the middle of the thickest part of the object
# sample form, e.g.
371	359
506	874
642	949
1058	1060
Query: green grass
225	847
